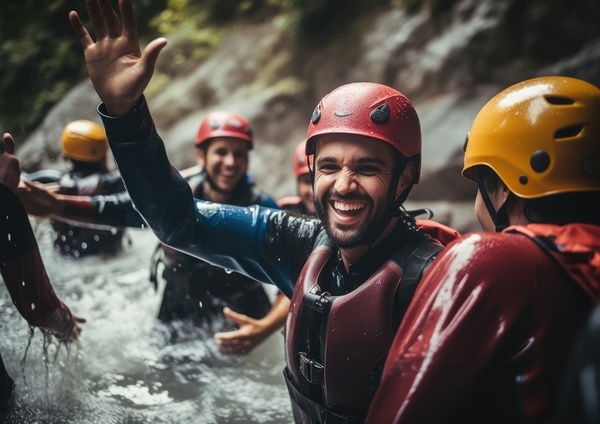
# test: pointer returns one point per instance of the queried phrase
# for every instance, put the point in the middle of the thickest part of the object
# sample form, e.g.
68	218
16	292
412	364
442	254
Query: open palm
118	69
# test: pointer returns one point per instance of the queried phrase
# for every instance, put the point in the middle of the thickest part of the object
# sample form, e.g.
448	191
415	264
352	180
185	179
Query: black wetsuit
199	291
77	240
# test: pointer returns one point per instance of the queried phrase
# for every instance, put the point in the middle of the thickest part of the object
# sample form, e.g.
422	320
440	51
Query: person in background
188	293
499	310
196	289
84	145
350	273
302	202
22	268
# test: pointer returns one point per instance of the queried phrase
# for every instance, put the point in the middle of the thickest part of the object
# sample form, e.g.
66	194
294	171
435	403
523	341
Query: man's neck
214	195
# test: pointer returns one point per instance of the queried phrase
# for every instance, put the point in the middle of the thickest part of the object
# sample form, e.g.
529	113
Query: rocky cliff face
449	65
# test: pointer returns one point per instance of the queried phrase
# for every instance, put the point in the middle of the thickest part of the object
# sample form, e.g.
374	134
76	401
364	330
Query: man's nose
345	182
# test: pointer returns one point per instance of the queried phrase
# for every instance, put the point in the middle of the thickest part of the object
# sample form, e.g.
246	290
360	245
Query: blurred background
272	60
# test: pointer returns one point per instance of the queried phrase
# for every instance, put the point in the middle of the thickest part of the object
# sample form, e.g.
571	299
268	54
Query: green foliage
40	57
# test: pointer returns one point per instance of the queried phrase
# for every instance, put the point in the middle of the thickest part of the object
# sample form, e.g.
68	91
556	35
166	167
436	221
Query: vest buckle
319	302
311	370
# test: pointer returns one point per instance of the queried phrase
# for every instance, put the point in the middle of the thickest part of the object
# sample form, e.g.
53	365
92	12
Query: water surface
128	367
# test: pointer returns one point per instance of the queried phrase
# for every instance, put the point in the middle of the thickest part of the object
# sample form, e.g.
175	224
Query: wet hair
559	209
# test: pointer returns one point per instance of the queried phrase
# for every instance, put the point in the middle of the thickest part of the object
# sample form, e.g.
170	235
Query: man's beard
365	232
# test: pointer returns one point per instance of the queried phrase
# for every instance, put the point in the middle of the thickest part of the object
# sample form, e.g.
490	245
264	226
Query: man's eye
328	168
368	170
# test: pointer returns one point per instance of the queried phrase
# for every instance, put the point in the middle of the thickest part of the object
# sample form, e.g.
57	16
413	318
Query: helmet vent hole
558	100
316	115
568	132
381	115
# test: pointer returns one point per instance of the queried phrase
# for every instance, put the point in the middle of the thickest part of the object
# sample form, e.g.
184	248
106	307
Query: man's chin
346	239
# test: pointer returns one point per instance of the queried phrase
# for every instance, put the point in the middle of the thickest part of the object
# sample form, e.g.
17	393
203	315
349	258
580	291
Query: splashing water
128	367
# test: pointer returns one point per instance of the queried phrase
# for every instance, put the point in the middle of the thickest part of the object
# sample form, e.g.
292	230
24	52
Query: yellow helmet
541	136
84	141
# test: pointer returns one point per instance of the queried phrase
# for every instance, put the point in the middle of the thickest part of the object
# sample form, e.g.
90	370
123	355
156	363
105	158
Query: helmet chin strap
499	217
394	210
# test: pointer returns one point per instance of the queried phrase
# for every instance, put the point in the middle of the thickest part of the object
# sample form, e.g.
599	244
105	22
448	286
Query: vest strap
414	265
320	413
311	369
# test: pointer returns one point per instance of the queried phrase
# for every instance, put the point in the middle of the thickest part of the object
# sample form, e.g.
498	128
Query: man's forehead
351	145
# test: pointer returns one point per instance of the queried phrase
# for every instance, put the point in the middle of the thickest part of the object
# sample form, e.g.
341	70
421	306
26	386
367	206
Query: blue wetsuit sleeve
240	239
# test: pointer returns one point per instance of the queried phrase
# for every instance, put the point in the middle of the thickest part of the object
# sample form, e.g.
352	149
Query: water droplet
200	304
33	306
9	236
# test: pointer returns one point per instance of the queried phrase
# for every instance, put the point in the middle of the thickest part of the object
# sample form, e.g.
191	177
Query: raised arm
21	264
118	69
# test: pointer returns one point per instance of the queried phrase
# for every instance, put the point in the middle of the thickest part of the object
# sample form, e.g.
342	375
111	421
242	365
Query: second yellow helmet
84	141
541	136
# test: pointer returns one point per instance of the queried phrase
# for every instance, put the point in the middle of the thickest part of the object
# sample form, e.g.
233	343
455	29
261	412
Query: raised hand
119	71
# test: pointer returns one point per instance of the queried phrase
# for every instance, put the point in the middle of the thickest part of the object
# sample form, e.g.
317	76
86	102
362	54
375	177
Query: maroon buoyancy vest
355	330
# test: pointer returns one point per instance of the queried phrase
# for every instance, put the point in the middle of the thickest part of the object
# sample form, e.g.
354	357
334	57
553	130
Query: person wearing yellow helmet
84	141
490	339
84	147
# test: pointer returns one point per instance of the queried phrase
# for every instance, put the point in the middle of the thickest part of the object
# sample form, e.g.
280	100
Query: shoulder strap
414	261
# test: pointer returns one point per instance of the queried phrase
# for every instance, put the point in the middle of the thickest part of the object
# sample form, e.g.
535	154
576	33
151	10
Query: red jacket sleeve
23	270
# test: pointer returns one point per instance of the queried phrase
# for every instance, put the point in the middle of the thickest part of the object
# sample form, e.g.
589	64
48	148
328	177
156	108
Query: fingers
129	21
9	143
236	317
111	20
84	37
233	342
151	53
96	18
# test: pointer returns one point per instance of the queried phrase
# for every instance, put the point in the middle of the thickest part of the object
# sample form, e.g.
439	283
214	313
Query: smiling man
350	273
198	291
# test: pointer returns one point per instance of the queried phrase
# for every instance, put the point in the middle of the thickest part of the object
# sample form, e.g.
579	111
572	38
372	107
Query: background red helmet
300	161
371	110
224	124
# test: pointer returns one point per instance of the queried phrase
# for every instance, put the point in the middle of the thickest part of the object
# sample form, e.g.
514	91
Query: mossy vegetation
41	59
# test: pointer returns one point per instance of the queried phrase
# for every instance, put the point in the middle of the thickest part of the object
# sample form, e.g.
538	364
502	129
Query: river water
128	367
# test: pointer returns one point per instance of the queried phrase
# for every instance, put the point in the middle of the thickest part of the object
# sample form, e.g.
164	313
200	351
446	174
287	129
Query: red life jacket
336	345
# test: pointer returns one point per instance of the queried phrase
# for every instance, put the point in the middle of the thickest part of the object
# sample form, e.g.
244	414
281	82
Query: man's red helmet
224	124
372	110
300	161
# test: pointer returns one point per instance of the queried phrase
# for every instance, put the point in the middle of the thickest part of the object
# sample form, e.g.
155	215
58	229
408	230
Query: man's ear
200	159
502	192
407	177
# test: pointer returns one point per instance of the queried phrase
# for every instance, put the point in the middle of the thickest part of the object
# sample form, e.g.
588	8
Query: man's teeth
348	206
